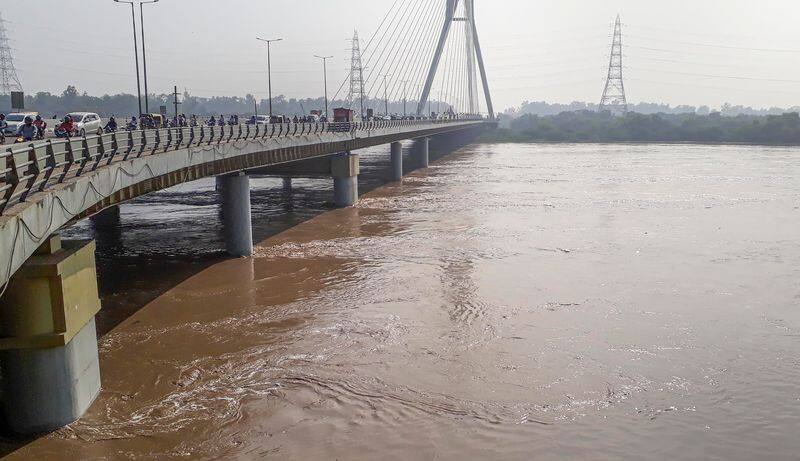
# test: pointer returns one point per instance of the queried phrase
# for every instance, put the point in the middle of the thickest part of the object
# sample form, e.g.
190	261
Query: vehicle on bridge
258	120
152	121
16	119
87	122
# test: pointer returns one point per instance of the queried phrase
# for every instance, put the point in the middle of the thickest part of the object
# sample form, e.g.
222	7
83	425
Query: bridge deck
49	184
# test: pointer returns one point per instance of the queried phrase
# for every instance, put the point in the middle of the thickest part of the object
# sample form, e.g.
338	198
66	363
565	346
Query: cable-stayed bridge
425	51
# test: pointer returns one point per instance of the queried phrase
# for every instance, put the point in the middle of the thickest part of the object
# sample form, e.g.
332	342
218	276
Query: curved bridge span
51	184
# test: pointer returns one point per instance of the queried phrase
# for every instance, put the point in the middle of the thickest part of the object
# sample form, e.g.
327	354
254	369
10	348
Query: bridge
49	297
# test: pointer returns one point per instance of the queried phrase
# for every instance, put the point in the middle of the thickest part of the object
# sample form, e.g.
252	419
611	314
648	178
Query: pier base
397	161
48	341
345	169
236	218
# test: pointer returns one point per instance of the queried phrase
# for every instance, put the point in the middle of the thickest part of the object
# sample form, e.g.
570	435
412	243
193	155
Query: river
512	302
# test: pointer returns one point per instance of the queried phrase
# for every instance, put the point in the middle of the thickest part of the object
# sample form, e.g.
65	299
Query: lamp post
325	77
386	94
135	54
405	97
144	55
269	70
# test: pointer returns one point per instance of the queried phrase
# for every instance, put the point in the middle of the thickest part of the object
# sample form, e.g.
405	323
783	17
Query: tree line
126	105
590	126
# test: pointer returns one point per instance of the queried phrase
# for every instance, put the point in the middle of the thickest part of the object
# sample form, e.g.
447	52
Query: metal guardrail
35	167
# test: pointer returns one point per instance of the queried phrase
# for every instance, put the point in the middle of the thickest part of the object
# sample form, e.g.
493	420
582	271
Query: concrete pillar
107	218
424	152
287	184
218	182
48	341
397	161
345	169
237	224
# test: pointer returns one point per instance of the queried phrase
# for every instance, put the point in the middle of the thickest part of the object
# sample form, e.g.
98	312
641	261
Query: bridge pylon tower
8	73
473	50
614	98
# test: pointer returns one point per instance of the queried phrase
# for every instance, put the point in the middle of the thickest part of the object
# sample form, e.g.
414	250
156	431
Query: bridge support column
107	218
345	169
48	340
287	184
236	219
424	152
397	161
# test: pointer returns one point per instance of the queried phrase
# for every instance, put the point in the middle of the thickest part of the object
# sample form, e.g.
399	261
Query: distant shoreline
482	140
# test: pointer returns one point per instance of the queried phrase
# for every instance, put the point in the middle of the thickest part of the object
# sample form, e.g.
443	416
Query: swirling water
510	302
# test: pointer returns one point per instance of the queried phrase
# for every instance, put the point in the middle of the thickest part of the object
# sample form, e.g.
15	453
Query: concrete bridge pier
48	341
397	161
345	170
108	218
236	216
424	152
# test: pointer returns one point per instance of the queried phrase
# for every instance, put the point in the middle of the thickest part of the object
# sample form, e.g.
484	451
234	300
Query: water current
511	302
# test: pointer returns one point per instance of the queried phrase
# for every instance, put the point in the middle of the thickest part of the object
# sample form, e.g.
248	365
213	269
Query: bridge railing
35	167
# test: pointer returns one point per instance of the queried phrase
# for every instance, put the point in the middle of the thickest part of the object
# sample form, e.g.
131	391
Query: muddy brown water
511	302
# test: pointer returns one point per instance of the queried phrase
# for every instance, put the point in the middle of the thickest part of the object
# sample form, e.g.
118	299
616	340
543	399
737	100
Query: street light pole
385	95
325	77
269	70
135	54
405	99
144	55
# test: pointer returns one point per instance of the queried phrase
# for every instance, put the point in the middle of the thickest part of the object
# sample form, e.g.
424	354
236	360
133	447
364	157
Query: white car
87	122
262	119
16	119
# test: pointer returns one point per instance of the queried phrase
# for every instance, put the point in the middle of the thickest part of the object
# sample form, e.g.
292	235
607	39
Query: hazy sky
677	51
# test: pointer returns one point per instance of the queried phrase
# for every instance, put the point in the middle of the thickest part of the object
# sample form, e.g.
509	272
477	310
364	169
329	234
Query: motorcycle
40	132
62	133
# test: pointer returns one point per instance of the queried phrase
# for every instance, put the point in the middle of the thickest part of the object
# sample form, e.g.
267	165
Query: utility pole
325	78
176	103
135	53
386	94
614	93
8	74
356	75
144	55
405	100
269	70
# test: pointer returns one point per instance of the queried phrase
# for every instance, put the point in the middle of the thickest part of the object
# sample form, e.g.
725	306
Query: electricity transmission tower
614	94
356	76
473	50
8	74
